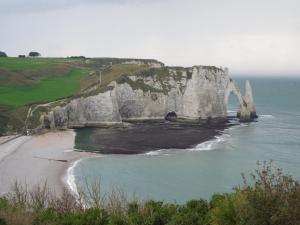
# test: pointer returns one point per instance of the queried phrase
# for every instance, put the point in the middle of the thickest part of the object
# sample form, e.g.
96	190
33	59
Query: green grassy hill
26	82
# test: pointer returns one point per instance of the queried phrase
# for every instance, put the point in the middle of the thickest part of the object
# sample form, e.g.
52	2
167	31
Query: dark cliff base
141	137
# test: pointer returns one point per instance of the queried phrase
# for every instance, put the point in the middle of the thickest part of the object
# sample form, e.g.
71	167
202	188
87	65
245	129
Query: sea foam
71	178
159	152
211	144
267	116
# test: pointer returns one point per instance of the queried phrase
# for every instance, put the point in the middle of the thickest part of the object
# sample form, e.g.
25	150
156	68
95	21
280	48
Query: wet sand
37	159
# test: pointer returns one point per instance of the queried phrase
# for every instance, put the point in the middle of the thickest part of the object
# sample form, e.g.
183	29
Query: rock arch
247	111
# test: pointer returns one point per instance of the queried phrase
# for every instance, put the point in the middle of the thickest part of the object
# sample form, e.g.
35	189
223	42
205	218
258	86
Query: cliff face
193	93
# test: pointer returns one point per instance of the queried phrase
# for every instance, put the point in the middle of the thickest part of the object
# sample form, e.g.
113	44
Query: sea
214	166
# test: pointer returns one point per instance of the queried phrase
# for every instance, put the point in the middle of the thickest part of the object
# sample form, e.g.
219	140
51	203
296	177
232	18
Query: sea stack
249	100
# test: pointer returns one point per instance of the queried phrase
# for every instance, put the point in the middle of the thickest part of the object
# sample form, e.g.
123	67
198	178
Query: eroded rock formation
247	111
198	93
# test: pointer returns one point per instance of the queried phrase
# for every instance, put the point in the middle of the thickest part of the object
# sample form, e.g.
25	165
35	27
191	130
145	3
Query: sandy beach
36	159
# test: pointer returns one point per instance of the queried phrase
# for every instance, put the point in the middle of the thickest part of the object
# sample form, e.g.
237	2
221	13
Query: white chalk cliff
197	93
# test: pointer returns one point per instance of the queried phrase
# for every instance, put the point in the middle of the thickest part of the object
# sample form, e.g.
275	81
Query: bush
193	213
91	216
151	213
3	54
270	198
223	210
34	54
2	221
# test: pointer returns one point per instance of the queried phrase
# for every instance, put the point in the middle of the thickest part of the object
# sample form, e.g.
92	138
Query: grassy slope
44	90
29	81
26	81
21	64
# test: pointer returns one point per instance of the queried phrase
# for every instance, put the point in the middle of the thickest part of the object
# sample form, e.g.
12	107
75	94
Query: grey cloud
259	36
27	6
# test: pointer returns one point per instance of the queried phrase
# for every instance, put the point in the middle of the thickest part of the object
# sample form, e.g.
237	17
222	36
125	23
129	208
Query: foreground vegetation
271	198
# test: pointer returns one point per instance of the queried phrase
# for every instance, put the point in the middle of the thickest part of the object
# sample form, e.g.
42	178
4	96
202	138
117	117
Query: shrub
3	54
92	216
270	197
47	216
193	213
151	213
223	210
2	221
118	220
34	54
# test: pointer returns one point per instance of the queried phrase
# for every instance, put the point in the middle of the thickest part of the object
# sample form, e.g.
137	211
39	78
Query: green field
25	82
33	80
44	90
28	81
23	64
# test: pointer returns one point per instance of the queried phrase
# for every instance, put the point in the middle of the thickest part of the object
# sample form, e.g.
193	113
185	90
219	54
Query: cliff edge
198	93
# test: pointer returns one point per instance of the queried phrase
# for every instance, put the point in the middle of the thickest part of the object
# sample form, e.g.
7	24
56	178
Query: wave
211	144
267	116
231	111
204	146
158	152
71	178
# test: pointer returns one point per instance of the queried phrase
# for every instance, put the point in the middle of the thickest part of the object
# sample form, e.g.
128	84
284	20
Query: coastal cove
199	161
215	165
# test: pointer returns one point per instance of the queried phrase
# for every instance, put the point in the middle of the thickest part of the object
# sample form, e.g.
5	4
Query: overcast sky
251	37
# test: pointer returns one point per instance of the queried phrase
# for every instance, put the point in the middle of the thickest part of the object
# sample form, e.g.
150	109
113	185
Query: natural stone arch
247	110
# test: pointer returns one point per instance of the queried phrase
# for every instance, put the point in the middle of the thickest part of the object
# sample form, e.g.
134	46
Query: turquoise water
216	165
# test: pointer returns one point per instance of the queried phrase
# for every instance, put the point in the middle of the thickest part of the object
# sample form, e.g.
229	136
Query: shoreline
34	160
51	157
143	137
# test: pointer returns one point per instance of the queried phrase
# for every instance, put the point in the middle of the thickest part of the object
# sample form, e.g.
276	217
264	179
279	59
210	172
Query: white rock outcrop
197	93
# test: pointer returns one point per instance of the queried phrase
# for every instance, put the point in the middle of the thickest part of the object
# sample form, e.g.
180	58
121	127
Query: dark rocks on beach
142	137
253	116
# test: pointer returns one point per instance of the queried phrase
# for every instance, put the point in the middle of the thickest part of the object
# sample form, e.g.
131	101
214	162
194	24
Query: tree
3	54
34	54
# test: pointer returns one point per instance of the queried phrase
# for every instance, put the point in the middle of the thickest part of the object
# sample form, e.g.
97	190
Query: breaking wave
267	116
204	146
211	144
71	178
159	152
